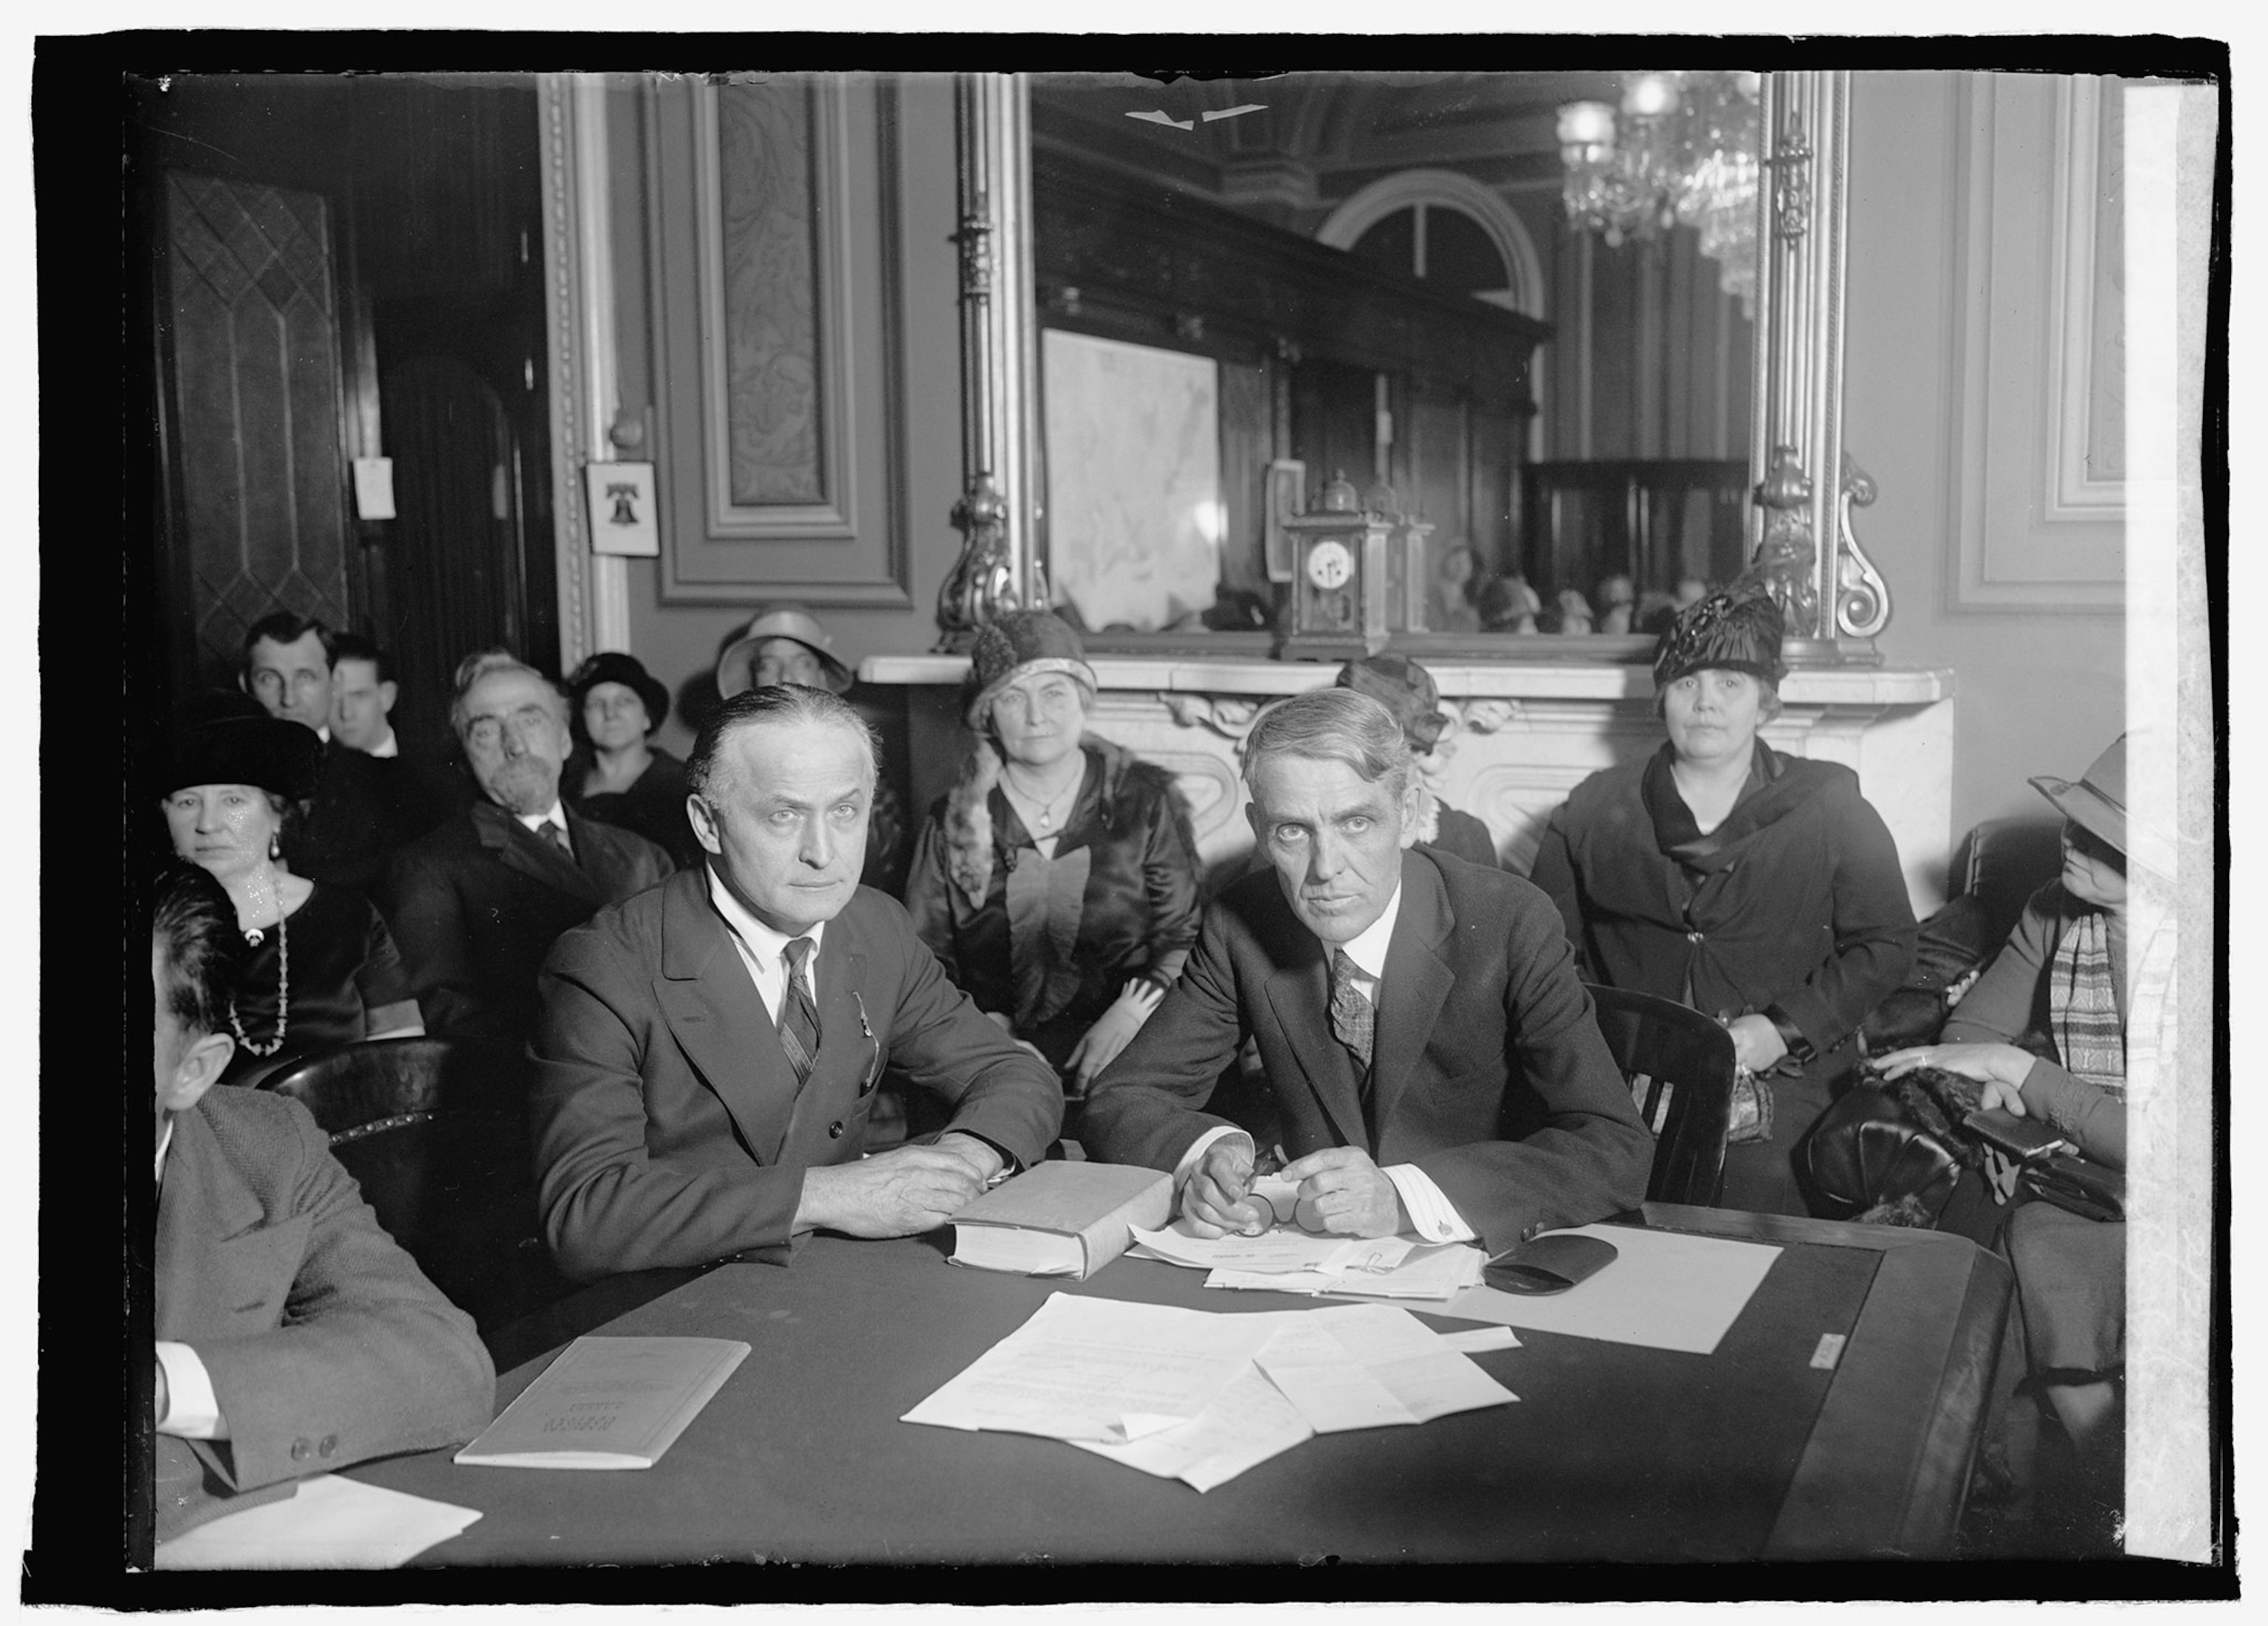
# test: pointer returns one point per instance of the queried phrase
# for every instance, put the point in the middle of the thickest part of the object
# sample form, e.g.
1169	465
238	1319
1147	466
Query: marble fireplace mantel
1522	736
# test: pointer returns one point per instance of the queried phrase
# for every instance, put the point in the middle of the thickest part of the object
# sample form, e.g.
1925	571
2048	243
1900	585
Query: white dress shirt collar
164	1142
758	942
388	747
1368	950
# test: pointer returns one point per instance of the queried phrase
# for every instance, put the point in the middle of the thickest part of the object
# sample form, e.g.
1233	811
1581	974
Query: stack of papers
1287	1260
1189	1395
327	1523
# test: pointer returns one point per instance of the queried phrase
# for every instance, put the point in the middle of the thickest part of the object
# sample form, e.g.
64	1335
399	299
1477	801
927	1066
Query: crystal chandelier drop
1685	150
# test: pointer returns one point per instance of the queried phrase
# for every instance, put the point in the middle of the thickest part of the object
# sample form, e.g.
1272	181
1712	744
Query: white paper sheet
1372	1366
1480	1340
1285	1248
1250	1423
330	1524
1667	1290
1097	1369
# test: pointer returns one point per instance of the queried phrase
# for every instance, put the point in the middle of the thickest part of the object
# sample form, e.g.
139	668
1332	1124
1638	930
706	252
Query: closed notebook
608	1403
1061	1219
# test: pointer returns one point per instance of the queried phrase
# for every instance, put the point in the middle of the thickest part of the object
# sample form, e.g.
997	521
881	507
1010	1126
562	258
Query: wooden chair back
435	1132
1680	1065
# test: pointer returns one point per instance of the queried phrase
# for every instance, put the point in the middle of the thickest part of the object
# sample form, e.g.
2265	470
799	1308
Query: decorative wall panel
774	210
2036	382
254	382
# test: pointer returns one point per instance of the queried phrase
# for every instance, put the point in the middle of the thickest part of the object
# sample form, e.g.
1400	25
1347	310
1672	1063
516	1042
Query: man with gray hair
479	900
1436	1064
708	1054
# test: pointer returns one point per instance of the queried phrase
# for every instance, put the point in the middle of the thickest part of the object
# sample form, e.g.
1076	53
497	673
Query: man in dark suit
418	788
707	1052
479	901
293	1335
1436	1064
346	835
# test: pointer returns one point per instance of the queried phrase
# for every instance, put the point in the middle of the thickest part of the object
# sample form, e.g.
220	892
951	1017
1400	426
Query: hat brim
736	667
973	714
2086	807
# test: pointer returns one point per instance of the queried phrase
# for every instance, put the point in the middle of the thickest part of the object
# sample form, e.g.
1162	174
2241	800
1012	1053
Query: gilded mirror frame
1804	484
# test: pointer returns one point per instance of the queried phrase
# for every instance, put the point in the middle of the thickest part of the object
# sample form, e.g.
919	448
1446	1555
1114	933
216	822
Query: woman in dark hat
2061	982
617	774
1058	881
1407	690
1758	888
322	969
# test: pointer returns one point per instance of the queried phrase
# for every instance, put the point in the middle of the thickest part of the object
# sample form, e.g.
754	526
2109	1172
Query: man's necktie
550	831
798	1022
1353	1021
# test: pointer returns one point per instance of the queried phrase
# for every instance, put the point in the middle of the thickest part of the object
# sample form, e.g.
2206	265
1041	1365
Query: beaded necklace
254	935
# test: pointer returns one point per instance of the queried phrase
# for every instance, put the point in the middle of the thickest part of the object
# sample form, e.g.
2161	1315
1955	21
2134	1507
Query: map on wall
1135	519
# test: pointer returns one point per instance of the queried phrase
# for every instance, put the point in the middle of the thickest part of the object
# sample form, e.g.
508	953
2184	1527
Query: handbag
1884	1155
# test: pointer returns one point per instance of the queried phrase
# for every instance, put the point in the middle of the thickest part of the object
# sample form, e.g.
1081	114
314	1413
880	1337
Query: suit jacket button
835	1130
330	1443
300	1449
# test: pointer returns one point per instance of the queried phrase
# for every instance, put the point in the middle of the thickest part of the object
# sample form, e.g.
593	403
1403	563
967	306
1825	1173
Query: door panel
252	385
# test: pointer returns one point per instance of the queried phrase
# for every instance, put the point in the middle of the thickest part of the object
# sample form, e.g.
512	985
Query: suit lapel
517	849
717	1018
1416	985
1298	991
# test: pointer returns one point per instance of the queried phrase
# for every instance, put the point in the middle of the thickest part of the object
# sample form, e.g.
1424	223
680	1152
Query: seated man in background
348	834
1436	1067
479	901
293	1335
418	788
707	1053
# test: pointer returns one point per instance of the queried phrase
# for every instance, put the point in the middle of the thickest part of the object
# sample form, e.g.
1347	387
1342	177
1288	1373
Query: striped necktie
550	831
798	1022
1353	1021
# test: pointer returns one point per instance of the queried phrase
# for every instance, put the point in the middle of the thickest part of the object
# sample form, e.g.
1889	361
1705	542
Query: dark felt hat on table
613	667
1020	644
226	738
1735	629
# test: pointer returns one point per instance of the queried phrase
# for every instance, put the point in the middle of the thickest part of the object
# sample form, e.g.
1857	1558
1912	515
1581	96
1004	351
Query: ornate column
997	514
1805	483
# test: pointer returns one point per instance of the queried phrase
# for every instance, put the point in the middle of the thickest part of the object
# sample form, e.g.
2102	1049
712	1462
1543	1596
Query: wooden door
248	337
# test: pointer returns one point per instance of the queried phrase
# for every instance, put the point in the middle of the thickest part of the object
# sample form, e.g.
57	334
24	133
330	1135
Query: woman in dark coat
321	969
1757	888
616	774
1058	882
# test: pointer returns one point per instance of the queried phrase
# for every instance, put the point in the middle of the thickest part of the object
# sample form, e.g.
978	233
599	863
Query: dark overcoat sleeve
430	928
1554	872
1169	874
929	897
1587	1154
1873	928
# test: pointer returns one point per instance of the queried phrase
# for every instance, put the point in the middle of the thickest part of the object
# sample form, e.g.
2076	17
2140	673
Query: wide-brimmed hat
736	667
2096	801
1405	688
1019	644
224	738
613	667
1736	629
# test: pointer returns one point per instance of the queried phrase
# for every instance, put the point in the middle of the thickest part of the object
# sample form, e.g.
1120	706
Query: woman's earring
275	847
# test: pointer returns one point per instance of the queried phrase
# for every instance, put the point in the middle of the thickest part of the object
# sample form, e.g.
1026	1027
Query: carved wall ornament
975	237
1862	600
1791	169
982	585
1490	716
1787	558
1231	716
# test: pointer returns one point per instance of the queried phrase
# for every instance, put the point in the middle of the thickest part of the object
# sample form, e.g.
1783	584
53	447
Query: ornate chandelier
1683	150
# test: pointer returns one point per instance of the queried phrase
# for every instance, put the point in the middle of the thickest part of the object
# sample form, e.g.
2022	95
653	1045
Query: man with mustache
1437	1068
480	900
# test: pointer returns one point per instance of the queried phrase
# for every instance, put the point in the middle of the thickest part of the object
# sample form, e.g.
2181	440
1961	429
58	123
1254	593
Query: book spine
1108	1237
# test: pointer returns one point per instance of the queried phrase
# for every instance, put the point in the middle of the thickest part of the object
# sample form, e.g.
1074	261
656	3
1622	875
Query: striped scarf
2083	1005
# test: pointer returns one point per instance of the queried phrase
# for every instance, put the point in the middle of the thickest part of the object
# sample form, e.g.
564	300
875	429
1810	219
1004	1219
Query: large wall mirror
1581	329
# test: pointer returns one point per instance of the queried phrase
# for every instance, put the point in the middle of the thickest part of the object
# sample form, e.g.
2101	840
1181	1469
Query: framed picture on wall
1135	516
1286	495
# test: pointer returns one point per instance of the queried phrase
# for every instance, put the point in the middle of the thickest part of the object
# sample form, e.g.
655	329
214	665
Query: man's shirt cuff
1195	1154
1432	1215
191	1412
